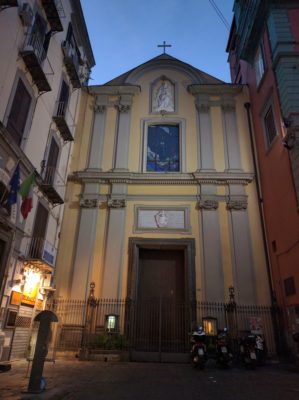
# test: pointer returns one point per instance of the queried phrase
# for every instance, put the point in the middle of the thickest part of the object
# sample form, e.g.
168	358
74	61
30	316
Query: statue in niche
163	96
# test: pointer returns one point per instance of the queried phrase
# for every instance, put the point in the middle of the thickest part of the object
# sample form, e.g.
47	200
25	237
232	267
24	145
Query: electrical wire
220	15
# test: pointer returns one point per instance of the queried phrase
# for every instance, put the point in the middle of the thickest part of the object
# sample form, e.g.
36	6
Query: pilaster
211	244
243	271
98	133
231	139
205	153
123	133
83	262
112	276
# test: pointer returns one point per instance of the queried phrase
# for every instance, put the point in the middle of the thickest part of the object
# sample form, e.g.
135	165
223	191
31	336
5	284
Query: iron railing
38	248
152	326
35	42
52	178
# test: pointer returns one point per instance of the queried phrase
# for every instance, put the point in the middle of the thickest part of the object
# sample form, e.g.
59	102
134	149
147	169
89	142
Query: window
259	64
39	39
63	99
17	118
270	128
163	148
289	286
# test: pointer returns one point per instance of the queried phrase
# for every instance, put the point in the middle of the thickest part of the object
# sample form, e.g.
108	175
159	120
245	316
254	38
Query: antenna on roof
164	45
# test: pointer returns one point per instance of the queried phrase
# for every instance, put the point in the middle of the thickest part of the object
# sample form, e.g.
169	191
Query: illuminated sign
31	287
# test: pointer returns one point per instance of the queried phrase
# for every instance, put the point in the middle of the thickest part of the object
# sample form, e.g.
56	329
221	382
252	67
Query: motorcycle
198	350
261	349
248	354
224	356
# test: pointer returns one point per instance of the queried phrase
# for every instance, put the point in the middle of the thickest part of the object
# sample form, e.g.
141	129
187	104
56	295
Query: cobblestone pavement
73	379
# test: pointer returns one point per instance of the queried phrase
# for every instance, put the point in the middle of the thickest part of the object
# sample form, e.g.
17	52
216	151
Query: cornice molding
216	90
131	178
114	90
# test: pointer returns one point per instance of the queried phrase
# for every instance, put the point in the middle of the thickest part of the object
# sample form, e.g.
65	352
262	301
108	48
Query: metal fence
152	326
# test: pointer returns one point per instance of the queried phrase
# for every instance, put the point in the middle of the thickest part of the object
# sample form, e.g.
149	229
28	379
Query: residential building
45	59
263	53
162	205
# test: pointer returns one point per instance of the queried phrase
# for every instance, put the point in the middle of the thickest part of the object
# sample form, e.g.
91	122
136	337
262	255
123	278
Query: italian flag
26	191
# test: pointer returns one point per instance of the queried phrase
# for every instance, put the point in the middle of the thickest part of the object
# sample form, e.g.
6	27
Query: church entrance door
161	307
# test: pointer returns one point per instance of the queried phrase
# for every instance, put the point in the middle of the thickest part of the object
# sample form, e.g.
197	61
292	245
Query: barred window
289	286
270	128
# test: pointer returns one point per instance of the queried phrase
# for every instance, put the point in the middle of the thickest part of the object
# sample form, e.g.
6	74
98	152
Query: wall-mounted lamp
111	322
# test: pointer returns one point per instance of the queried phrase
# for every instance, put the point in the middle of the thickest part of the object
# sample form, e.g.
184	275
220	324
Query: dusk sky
125	34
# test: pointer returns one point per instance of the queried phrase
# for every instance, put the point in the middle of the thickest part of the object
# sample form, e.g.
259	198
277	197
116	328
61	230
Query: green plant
110	341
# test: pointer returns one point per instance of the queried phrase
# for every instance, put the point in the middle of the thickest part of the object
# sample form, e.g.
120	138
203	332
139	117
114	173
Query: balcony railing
52	185
72	63
40	250
63	120
250	15
8	3
33	55
54	11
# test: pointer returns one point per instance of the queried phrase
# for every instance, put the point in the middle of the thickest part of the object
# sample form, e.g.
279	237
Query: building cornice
216	90
135	178
114	90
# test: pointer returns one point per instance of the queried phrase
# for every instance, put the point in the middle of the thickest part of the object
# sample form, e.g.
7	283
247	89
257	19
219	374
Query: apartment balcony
250	20
63	121
8	3
52	185
54	11
40	253
72	63
33	55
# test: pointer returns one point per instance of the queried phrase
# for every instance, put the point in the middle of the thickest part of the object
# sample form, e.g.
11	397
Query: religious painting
15	298
163	96
163	148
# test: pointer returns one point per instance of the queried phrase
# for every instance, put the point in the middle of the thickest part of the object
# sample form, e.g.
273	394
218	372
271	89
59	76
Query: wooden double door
161	315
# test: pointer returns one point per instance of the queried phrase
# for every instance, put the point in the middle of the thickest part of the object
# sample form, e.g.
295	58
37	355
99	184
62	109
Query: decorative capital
123	108
208	204
89	203
116	203
236	205
99	108
228	107
202	107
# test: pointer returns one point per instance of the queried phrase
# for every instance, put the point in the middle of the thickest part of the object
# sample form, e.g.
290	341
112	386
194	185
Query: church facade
162	200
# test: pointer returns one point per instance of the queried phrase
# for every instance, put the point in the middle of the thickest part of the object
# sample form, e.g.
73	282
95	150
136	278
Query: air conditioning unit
26	14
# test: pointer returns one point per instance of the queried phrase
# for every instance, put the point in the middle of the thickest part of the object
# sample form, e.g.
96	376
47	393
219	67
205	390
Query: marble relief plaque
162	219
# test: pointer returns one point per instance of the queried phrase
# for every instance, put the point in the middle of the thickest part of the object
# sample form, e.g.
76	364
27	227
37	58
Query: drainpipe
275	321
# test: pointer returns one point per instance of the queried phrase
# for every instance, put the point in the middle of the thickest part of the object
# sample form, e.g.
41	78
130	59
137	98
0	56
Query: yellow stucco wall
161	195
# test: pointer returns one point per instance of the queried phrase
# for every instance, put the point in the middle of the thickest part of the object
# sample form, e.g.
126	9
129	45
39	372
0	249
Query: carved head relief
163	96
161	219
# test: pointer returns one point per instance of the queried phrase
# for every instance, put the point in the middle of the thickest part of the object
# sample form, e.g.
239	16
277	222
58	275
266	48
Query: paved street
71	380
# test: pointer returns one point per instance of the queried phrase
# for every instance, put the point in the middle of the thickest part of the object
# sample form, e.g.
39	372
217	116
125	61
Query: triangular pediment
161	61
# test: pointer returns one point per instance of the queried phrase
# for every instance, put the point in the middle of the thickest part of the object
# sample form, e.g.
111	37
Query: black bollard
41	349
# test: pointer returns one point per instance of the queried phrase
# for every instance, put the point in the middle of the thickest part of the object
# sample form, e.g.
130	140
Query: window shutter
19	112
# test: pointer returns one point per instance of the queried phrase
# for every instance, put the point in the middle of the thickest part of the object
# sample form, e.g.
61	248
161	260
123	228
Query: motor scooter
198	349
261	349
247	350
224	356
